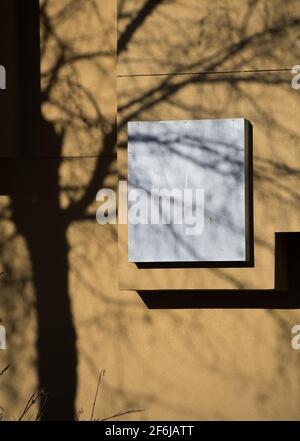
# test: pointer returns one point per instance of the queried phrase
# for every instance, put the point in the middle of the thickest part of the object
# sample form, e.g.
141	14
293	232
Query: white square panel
188	191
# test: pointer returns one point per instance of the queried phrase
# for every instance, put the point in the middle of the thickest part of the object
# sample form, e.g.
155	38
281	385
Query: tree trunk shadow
39	218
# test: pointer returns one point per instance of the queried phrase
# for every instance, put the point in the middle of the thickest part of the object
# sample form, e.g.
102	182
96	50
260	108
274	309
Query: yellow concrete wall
203	363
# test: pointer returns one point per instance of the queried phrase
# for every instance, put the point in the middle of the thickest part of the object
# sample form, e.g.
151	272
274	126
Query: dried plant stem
102	373
119	414
35	397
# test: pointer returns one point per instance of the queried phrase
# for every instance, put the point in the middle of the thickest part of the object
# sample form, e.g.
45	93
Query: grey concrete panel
209	156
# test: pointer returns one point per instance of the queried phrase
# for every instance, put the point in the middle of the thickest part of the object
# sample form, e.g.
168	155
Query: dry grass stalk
36	398
119	414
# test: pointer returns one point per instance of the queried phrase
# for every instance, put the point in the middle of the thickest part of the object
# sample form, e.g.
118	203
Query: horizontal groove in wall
174	74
